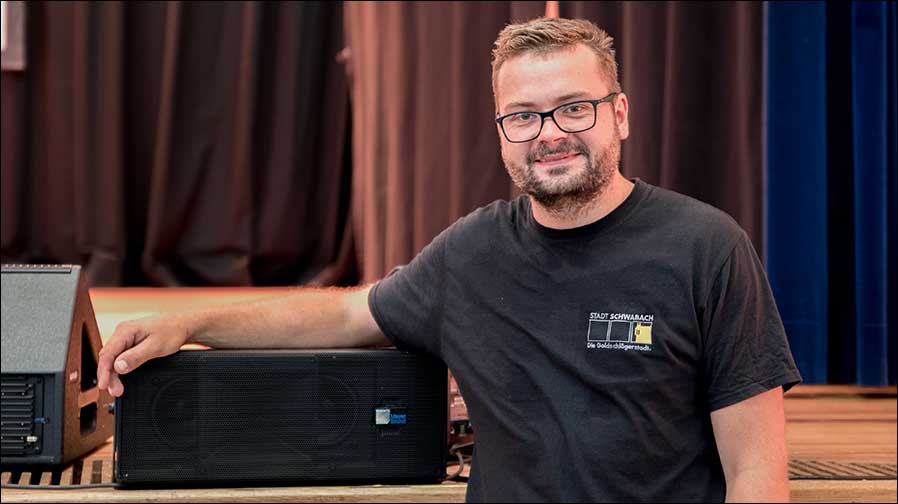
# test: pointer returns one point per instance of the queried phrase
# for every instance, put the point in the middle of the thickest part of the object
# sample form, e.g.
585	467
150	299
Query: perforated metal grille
268	415
18	408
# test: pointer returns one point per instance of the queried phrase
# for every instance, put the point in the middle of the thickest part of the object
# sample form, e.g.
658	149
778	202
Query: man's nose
550	130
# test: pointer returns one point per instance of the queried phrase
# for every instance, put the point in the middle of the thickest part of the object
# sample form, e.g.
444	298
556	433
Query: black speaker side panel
54	411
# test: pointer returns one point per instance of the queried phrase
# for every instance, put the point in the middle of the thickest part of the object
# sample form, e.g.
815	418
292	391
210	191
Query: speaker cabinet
52	410
283	416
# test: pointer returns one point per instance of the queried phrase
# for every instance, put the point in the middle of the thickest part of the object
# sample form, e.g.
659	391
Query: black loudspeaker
52	410
202	417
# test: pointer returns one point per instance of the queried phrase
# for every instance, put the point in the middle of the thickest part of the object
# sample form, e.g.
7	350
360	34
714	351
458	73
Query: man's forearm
307	318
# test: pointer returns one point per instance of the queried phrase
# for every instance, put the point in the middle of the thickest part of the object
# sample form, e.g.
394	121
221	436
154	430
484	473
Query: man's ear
621	115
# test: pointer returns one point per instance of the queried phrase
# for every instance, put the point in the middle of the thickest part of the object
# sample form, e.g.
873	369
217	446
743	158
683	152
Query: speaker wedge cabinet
212	417
52	411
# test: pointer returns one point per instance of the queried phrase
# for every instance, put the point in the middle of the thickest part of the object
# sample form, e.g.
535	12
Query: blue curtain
830	185
796	182
874	137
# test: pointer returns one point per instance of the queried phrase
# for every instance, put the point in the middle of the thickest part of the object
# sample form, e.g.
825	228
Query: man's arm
331	318
751	440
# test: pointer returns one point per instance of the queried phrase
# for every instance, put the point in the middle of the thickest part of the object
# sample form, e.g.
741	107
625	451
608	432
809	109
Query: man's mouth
554	159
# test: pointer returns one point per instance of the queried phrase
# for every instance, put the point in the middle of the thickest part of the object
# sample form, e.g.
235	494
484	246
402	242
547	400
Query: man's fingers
121	340
116	388
136	356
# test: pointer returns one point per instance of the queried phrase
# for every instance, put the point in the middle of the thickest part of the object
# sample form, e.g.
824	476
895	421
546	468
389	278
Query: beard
566	190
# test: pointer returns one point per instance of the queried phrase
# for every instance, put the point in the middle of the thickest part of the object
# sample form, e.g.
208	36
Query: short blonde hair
543	35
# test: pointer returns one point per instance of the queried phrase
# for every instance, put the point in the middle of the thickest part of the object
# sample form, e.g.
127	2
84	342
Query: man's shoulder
500	212
691	216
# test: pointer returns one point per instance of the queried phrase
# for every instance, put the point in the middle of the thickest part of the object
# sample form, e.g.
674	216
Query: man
613	340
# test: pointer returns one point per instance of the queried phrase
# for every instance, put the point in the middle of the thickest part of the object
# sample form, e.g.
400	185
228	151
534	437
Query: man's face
558	168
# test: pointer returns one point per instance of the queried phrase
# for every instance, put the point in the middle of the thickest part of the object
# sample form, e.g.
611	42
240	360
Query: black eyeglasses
573	117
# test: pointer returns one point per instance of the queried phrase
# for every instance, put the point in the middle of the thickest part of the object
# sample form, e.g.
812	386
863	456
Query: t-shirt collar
624	210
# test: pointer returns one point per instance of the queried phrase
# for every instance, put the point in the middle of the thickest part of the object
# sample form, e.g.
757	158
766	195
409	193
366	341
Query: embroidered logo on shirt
620	331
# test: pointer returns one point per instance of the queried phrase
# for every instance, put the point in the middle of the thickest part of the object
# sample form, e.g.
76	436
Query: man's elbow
360	328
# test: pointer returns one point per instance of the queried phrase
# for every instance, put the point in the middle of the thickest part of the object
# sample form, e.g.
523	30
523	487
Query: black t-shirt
590	359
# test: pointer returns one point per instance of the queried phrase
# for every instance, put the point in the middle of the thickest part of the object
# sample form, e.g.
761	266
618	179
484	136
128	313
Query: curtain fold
873	29
796	208
201	192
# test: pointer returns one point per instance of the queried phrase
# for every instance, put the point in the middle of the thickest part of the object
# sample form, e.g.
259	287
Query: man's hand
135	342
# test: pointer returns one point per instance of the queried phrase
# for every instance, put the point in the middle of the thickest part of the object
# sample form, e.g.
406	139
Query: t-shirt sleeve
407	304
746	349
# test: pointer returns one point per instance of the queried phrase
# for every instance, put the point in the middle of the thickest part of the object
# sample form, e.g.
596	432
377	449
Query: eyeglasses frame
551	114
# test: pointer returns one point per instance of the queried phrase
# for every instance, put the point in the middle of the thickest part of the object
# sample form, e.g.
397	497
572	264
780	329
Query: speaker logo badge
390	416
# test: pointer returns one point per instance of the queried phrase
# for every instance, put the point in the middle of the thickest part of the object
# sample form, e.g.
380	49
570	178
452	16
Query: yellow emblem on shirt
643	333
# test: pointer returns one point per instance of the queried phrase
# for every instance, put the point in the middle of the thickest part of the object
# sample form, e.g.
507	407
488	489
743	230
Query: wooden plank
107	470
801	491
846	441
66	477
377	493
848	408
843	491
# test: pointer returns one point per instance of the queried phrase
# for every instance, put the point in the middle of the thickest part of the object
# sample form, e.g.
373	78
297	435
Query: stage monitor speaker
52	410
260	417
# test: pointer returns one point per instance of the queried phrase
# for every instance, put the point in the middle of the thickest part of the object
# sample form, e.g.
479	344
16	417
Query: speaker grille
282	415
17	416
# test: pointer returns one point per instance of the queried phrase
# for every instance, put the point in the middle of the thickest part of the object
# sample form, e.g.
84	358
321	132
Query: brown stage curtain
426	150
178	143
425	147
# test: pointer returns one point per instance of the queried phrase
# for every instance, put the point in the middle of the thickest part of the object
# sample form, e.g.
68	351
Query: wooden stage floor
830	429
